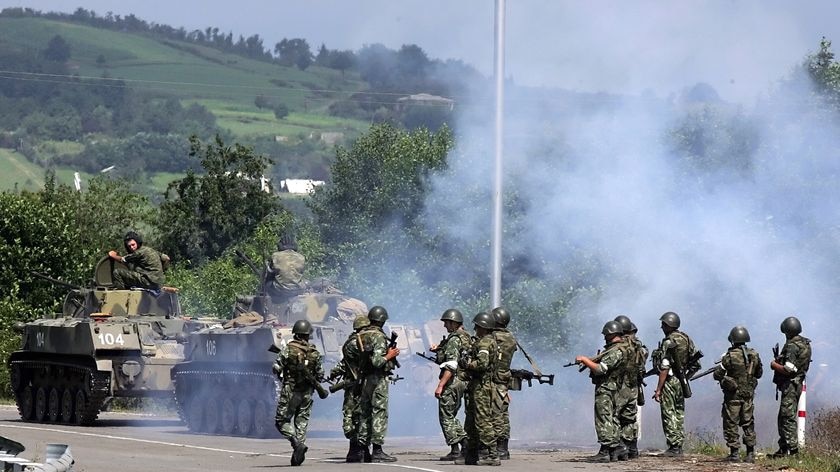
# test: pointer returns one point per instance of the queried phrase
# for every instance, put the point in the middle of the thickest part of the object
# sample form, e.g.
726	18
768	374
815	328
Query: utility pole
496	239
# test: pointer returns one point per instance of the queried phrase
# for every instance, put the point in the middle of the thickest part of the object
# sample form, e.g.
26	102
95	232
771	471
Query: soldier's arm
319	367
380	349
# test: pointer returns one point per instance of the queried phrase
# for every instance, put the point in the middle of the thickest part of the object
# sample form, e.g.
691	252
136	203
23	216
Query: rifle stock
528	376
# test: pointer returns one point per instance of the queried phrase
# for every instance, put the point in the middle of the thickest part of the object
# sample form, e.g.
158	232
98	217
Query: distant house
299	186
426	99
281	139
332	137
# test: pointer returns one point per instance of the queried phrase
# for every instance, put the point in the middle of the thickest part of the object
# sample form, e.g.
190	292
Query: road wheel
263	419
227	419
67	406
41	404
195	414
79	406
244	417
212	416
54	405
26	403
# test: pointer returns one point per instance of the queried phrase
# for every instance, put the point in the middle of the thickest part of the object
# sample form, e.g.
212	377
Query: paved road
133	443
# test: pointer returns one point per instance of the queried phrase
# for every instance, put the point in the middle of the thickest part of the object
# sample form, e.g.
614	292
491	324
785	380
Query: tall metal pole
496	240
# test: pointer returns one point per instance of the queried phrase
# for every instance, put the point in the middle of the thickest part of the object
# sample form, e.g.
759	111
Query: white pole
800	419
496	239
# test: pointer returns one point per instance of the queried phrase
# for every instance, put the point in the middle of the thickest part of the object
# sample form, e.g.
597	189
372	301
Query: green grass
805	460
15	169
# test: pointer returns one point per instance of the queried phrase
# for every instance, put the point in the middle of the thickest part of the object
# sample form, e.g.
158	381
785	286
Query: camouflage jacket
796	357
352	356
374	345
146	261
507	347
611	367
481	363
299	363
449	352
287	267
673	352
635	361
738	372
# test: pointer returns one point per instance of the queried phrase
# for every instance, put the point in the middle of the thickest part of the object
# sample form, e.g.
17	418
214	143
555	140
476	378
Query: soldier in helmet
349	368
607	371
453	382
480	365
145	265
507	347
738	374
299	365
789	371
630	396
672	359
377	364
286	269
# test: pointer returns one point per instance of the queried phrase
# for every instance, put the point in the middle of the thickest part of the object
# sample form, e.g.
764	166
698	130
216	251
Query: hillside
225	84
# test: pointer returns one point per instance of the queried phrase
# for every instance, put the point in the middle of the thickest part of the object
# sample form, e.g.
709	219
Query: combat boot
462	457
782	452
674	451
299	454
487	456
603	455
618	453
750	459
380	456
793	451
733	456
633	449
453	453
354	454
366	455
502	448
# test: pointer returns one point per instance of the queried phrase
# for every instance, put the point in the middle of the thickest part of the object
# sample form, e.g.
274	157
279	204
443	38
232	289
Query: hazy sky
740	47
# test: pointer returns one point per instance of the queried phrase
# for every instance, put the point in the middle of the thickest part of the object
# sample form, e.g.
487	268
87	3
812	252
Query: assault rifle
705	372
342	377
315	382
778	379
682	372
393	345
429	358
528	376
395	378
595	359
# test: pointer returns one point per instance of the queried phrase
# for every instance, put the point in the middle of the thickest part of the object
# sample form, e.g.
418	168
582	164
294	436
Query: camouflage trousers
125	279
350	412
373	410
501	420
626	411
788	412
448	405
672	411
293	411
479	419
738	412
606	420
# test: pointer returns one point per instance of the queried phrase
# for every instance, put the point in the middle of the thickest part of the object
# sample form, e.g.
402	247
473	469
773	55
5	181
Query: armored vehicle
106	343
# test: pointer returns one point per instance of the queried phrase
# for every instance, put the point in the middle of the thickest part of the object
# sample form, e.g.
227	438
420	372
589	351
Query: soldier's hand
438	391
392	353
657	396
113	255
433	347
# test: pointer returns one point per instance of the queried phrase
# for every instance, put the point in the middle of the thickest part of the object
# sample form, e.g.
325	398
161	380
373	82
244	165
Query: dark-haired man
144	265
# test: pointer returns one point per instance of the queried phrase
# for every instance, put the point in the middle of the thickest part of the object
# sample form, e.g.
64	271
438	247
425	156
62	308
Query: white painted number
211	347
110	340
39	339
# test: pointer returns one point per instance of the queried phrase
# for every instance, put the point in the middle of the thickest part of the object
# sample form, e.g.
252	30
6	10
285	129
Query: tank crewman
286	269
627	406
350	370
607	372
481	363
671	358
378	362
738	374
145	265
299	364
789	371
452	382
507	347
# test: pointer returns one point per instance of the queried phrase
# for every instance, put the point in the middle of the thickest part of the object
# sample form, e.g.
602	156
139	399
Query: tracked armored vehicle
106	343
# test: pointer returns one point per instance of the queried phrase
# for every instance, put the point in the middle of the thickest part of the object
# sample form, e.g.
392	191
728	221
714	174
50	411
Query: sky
739	47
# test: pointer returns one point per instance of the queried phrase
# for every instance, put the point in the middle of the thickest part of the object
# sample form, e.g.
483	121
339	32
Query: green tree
202	215
57	50
294	52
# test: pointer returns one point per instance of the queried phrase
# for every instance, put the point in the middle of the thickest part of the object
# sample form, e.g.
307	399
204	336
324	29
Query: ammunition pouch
514	383
728	385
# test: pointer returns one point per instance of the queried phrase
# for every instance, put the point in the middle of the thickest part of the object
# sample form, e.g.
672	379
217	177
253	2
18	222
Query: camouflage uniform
738	374
295	401
481	367
350	368
507	347
145	270
373	416
449	403
287	267
797	353
608	379
674	350
627	406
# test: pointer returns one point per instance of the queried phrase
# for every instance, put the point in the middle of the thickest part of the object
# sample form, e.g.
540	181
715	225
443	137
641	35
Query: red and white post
800	419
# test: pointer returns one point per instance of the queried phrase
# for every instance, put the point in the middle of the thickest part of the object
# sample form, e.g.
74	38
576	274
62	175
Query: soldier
299	364
607	371
377	363
286	269
349	369
507	347
789	371
738	374
630	396
145	265
453	382
673	359
481	366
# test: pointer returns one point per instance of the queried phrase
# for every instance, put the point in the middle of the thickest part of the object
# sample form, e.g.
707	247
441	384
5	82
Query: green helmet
501	316
611	328
484	320
739	335
626	324
671	319
302	327
378	314
791	326
633	328
452	315
360	322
